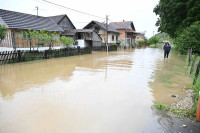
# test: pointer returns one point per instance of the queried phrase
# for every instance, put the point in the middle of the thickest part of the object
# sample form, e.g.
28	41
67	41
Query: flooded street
94	93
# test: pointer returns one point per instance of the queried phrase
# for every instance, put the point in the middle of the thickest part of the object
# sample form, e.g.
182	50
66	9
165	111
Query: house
100	29
84	37
18	22
127	32
140	36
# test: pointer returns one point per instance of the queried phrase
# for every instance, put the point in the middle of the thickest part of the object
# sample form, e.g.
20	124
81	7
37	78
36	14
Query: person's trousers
166	54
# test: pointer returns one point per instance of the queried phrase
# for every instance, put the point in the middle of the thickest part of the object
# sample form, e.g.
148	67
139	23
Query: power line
72	9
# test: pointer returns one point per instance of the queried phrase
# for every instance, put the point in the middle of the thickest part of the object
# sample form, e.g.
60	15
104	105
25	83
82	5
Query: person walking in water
166	48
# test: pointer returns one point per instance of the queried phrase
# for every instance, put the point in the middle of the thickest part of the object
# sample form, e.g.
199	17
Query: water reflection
96	93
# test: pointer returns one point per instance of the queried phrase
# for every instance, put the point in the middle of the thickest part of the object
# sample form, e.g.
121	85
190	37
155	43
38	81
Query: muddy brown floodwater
96	93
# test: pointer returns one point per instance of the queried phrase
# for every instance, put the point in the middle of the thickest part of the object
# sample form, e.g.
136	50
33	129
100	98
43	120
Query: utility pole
37	9
107	33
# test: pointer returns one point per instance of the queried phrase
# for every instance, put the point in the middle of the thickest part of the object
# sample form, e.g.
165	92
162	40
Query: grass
196	80
153	46
177	111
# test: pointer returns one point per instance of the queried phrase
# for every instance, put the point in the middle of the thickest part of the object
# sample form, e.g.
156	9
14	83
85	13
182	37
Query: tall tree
3	32
175	15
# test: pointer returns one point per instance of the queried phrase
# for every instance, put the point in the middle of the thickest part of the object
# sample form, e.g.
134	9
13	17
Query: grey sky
138	11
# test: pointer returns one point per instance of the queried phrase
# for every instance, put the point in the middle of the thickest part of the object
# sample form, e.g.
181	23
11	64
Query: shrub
154	40
189	38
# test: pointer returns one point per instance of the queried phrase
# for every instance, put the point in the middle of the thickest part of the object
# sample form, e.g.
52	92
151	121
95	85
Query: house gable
65	23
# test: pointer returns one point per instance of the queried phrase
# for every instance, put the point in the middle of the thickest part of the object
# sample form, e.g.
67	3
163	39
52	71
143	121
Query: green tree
3	32
51	38
67	41
189	38
29	35
41	36
175	15
154	40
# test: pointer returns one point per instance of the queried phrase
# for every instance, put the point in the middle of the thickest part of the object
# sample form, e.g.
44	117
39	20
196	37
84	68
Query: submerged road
96	93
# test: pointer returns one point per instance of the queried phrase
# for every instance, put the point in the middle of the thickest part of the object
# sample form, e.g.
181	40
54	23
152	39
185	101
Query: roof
72	32
58	18
102	25
123	25
17	20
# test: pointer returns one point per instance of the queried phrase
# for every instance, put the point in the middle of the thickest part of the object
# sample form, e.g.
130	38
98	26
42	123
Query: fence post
19	56
190	55
193	63
45	54
198	109
78	47
196	73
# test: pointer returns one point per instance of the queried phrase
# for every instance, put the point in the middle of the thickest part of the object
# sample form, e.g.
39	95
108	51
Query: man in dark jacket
166	48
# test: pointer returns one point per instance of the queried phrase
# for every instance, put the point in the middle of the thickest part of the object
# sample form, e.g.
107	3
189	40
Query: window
113	37
138	37
79	35
116	38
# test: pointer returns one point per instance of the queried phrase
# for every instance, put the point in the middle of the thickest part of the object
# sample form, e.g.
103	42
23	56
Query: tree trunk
30	45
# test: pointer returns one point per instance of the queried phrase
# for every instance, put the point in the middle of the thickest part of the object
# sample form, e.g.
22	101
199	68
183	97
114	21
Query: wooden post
78	47
190	55
19	56
45	54
193	63
196	73
198	109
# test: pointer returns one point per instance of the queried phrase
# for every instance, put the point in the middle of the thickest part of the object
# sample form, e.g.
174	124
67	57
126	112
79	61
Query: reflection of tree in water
19	77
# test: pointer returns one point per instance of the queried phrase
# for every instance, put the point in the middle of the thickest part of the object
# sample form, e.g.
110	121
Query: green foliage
152	46
67	41
3	32
29	35
154	40
114	44
177	111
175	15
189	38
161	107
51	38
196	85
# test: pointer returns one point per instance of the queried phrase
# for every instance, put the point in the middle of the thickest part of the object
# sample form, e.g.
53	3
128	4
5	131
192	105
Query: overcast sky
138	11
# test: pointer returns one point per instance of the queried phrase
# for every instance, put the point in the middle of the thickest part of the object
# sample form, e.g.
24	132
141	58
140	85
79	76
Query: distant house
127	32
84	37
100	29
18	22
140	36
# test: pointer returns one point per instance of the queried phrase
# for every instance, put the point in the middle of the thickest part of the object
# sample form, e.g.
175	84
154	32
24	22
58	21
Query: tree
29	35
175	15
154	40
189	38
41	37
67	41
3	32
51	38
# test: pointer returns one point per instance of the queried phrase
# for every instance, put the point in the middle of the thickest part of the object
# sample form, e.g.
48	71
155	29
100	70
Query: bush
154	40
189	38
114	44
